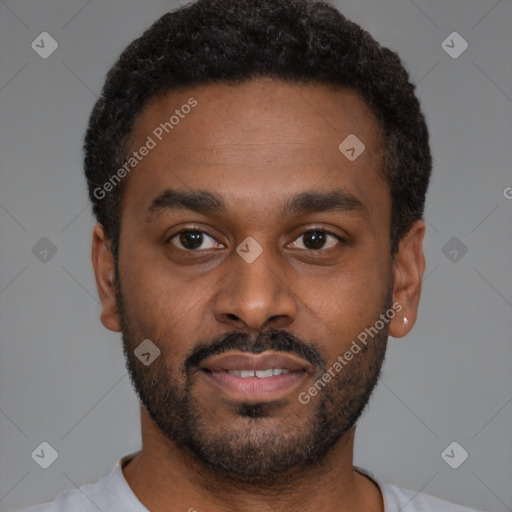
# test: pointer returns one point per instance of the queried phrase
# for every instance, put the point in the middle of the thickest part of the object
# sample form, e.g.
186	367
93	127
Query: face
253	253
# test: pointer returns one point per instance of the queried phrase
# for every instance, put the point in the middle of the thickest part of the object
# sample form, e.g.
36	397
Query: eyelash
310	230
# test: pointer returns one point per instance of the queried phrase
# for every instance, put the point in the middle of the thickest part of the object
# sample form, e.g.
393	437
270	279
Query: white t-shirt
113	494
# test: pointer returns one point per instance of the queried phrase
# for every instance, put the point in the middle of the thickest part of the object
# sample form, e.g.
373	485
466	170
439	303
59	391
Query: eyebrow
200	201
204	202
319	202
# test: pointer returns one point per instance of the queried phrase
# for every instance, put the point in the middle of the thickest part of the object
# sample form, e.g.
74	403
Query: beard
261	442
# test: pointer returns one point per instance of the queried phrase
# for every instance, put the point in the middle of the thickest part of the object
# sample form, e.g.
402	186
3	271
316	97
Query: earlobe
408	268
104	272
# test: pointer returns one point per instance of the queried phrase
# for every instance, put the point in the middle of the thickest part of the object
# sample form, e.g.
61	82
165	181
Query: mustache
278	340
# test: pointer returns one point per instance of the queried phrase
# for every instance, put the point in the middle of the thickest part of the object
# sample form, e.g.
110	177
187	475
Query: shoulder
69	501
108	493
399	499
406	500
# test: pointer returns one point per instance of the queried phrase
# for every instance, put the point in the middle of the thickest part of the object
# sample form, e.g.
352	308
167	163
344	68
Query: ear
408	269
103	264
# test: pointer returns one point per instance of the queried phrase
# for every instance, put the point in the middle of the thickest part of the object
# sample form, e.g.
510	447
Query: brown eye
192	239
316	239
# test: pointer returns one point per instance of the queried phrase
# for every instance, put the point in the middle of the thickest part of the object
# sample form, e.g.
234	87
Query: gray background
62	375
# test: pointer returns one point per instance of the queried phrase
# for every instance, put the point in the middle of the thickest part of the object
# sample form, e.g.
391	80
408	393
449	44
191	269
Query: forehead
261	135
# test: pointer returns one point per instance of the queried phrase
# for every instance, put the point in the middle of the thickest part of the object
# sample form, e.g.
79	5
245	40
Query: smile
260	374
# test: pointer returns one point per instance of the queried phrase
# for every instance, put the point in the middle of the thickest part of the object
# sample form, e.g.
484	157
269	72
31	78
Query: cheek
342	306
162	305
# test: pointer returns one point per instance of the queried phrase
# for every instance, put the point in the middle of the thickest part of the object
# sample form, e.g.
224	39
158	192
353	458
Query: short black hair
231	41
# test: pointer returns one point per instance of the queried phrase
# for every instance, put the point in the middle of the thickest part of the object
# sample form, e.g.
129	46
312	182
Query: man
258	170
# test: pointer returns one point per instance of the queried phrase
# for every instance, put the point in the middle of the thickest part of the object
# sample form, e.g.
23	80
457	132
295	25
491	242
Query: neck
165	477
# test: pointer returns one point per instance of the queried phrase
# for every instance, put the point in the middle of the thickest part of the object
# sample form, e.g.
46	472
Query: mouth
260	374
266	376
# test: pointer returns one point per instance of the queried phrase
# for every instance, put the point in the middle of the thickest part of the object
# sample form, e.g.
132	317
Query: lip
214	369
246	361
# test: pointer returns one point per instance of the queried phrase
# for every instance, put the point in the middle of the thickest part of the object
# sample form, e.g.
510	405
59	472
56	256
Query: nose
256	295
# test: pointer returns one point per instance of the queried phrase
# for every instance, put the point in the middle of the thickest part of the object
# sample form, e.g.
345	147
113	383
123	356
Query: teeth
260	374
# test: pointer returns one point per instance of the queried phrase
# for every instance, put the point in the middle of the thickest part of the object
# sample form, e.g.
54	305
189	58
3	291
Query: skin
256	144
